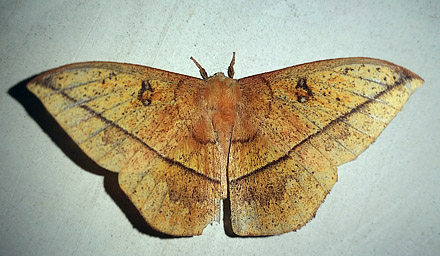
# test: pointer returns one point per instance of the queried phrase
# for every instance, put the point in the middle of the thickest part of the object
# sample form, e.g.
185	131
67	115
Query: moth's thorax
221	97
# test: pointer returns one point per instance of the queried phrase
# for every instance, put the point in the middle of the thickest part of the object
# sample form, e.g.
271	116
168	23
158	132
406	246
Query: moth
270	143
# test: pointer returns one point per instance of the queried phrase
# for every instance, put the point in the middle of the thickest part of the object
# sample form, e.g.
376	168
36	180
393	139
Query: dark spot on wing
145	93
304	92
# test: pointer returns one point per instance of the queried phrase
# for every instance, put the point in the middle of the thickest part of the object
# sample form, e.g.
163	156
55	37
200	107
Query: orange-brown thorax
221	98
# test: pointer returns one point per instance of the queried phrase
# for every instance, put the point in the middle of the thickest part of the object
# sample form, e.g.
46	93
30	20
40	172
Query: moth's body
270	142
220	100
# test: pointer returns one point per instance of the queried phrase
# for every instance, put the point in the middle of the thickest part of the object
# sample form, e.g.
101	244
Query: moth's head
218	74
220	77
220	80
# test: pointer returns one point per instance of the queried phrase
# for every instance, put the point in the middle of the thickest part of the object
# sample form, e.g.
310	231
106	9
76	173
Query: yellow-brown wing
295	126
143	123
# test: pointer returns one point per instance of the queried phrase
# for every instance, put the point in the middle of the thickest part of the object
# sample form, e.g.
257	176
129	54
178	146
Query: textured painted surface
270	142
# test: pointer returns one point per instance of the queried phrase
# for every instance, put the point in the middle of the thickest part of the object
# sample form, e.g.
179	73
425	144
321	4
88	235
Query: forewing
141	122
296	125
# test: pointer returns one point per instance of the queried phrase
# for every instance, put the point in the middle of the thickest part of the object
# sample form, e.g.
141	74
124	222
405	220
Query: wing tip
412	80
